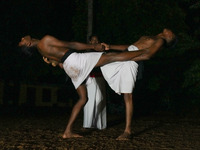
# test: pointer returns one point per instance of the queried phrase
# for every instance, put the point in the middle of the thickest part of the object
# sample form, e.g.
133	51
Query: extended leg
122	56
76	109
128	99
139	55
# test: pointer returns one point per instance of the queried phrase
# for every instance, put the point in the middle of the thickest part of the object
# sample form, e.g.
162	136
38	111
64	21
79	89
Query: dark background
171	80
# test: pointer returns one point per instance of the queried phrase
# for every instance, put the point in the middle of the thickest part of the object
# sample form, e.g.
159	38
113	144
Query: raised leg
122	56
144	54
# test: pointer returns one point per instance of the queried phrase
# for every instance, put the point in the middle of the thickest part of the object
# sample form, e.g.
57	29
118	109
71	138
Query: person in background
94	111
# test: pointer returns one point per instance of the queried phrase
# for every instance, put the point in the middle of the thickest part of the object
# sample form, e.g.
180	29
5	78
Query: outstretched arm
119	47
115	47
52	41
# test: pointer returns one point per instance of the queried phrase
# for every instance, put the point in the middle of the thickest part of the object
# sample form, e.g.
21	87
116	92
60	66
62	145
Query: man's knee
83	100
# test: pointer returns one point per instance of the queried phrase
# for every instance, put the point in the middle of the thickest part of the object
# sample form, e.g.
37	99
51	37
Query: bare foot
71	135
124	136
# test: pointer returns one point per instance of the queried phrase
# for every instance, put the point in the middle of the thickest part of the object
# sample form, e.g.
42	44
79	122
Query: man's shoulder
47	39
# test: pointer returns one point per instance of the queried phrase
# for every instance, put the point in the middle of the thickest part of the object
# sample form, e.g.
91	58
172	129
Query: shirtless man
114	73
78	66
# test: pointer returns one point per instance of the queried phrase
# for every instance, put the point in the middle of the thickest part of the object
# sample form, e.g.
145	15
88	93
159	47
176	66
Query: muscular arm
118	47
115	47
52	41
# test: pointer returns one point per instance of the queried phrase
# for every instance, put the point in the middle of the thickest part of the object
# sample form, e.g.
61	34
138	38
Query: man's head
168	34
93	39
25	41
170	37
27	45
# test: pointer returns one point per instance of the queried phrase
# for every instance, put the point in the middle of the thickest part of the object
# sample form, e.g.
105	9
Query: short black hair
28	51
172	43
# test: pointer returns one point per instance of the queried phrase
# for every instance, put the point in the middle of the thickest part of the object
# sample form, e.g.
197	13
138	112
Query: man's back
52	48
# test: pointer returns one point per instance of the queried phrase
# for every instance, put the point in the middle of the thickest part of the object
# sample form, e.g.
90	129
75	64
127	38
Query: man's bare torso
48	48
145	42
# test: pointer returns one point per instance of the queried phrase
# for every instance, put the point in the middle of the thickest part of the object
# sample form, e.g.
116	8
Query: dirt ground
155	132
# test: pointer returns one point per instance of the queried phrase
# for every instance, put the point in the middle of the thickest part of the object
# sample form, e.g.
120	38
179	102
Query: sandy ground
157	132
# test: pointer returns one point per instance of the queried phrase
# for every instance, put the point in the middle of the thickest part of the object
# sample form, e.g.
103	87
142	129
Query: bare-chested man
79	65
121	76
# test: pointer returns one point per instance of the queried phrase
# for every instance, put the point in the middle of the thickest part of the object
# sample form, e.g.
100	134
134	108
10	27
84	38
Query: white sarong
121	76
79	65
95	108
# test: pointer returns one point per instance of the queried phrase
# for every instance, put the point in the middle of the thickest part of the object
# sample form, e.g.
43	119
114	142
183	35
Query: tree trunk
90	19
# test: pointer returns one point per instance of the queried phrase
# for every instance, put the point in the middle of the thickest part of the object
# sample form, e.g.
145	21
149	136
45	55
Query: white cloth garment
95	108
79	65
121	76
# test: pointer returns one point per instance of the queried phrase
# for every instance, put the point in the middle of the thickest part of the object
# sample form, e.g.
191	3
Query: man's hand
46	60
52	62
99	47
107	47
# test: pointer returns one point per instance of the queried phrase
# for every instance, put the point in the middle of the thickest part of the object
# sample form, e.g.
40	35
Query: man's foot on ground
88	129
84	129
71	135
124	136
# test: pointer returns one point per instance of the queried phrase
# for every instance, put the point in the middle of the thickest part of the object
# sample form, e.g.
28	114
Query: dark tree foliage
170	80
